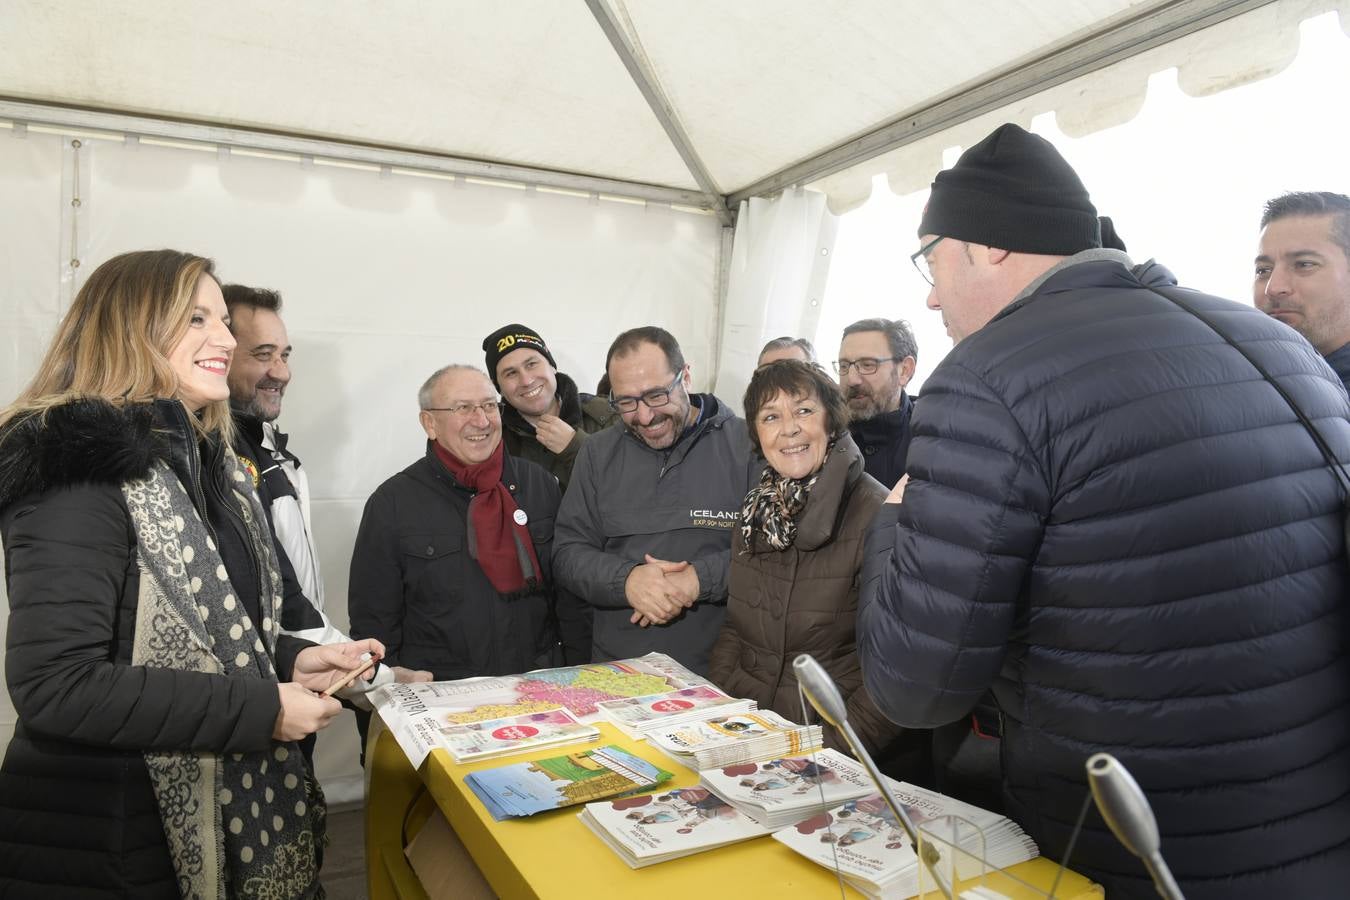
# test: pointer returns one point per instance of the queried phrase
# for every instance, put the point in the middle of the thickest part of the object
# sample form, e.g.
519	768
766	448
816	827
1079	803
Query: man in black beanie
544	417
1116	526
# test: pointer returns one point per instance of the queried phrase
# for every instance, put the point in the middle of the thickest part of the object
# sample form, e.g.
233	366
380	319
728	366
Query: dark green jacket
587	418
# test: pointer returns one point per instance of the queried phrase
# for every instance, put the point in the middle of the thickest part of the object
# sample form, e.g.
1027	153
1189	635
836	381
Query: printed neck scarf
771	508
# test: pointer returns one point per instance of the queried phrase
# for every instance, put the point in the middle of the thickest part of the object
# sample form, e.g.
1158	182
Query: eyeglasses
488	408
920	259
865	366
653	399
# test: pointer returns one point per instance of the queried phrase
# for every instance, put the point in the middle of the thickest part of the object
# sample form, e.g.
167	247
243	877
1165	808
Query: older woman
158	704
796	556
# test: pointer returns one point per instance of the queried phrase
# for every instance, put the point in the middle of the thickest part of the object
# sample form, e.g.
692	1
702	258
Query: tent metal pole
645	79
27	113
1119	41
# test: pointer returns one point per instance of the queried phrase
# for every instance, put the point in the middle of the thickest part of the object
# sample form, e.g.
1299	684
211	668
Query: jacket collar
886	427
819	520
90	441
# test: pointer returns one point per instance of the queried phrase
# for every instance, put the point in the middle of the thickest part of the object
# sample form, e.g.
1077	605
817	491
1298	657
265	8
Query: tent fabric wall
385	279
779	264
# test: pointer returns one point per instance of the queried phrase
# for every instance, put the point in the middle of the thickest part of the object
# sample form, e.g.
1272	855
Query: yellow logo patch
251	468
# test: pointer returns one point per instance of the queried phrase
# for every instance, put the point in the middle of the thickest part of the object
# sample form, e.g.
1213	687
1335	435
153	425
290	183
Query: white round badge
520	517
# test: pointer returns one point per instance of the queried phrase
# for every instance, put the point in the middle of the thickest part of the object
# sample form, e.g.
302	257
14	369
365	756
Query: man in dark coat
544	417
876	361
1115	523
453	558
1303	271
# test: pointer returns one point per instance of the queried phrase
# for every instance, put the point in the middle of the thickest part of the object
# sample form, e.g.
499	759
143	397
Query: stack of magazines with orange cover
726	740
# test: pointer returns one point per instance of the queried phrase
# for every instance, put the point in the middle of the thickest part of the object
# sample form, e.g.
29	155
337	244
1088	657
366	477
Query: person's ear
428	424
996	256
906	370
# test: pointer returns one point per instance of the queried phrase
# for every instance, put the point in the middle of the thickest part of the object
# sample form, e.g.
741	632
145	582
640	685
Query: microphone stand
1125	808
824	695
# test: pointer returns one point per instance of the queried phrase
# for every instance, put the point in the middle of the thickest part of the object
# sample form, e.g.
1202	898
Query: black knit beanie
1013	191
509	338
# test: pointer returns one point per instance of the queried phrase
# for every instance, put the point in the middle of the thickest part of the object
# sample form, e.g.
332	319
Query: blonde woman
158	704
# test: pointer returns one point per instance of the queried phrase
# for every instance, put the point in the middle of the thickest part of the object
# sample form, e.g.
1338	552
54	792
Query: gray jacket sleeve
580	562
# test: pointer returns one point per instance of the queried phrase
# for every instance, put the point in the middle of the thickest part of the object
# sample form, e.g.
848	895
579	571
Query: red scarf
497	537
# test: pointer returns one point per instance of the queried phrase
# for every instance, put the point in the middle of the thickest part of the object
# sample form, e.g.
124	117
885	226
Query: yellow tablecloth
554	856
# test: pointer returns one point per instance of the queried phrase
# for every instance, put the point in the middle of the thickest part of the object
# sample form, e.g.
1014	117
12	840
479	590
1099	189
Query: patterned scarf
771	508
498	538
240	824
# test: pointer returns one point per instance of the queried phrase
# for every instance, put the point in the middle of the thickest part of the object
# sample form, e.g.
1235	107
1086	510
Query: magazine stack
727	740
523	789
863	840
785	791
636	716
652	829
474	741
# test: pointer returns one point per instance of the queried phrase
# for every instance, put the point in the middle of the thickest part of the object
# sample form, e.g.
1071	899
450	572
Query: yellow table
554	856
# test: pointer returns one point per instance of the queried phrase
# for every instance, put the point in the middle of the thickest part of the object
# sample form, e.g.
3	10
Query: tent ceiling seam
649	86
1150	29
137	126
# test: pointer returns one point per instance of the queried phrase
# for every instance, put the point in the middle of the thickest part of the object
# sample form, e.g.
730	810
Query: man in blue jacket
1113	522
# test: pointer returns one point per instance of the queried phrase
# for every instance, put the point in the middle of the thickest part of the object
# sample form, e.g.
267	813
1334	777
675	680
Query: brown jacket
805	600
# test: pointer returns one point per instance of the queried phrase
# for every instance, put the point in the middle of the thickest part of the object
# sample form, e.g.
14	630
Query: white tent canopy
758	94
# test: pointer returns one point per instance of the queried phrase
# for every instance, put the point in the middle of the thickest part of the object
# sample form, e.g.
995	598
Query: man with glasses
452	566
544	417
876	361
644	533
1117	525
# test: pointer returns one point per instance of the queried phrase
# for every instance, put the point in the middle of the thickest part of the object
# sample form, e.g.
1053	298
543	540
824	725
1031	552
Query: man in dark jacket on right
1113	522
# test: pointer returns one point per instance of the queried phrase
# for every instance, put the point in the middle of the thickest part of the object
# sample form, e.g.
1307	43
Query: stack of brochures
490	738
785	791
636	716
727	740
523	789
863	840
653	829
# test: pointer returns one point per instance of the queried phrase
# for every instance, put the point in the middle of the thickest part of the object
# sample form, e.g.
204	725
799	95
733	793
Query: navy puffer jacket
1116	524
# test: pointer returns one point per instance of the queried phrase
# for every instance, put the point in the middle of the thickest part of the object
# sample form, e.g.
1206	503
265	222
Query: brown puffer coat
805	600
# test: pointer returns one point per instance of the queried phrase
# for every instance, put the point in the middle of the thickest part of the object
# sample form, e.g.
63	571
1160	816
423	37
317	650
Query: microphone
1125	808
821	690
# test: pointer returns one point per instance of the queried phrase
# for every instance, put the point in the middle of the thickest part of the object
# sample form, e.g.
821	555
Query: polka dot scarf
241	824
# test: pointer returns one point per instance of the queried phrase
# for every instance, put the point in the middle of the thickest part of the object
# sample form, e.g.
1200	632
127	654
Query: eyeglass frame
843	366
614	402
462	410
922	254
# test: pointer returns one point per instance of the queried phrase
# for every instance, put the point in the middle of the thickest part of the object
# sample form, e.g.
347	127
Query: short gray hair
784	342
898	335
424	400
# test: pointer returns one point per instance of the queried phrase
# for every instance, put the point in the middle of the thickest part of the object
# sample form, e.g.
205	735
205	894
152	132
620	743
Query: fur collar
85	441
